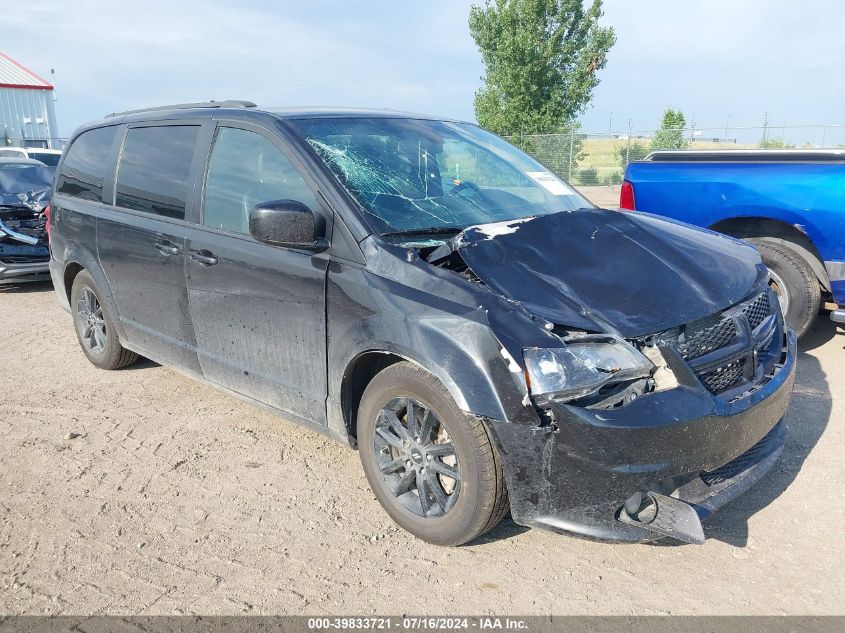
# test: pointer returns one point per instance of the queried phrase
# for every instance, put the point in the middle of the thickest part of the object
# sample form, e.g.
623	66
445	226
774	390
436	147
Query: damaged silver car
422	290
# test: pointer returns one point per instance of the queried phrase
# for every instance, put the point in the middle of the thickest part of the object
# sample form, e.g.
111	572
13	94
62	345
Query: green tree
671	132
541	59
634	151
773	143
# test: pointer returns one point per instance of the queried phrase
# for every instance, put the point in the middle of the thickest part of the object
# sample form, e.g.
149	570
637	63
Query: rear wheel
791	277
94	326
432	467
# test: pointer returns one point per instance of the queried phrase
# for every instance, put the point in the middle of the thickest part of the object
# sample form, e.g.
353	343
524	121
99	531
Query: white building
27	114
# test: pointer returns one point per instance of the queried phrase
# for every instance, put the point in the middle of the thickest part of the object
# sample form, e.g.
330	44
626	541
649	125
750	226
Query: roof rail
229	103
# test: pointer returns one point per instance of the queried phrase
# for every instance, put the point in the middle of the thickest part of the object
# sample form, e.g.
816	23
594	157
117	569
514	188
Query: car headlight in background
582	368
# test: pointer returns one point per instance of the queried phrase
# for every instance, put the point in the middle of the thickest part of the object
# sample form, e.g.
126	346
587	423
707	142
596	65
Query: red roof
13	75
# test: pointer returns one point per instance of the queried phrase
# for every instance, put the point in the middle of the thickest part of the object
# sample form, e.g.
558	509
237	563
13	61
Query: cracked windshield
423	177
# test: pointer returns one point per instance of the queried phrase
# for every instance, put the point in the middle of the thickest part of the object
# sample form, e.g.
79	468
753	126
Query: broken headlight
582	368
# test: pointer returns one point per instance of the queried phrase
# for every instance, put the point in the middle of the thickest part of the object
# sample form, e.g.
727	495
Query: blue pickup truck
790	204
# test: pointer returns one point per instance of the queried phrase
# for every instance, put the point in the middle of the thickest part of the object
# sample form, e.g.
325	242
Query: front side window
414	176
86	164
246	169
154	169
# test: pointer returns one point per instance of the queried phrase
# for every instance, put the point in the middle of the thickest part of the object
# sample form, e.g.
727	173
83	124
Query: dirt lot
606	197
178	499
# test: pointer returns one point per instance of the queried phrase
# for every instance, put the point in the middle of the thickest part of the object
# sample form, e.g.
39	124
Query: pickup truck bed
788	203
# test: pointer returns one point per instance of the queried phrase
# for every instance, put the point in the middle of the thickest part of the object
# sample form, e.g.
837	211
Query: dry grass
603	155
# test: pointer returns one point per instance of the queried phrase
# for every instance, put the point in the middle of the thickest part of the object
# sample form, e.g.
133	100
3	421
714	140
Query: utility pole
765	127
610	126
727	123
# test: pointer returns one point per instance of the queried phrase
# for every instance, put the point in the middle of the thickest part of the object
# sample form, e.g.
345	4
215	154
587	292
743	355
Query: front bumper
684	443
18	271
836	275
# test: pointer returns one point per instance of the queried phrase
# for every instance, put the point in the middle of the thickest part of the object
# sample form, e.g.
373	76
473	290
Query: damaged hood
604	270
25	186
24	193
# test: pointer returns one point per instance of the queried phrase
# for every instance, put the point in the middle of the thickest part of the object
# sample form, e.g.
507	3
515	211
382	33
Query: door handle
168	248
204	257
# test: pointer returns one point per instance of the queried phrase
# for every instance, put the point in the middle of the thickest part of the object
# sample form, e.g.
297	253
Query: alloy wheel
91	321
777	284
416	457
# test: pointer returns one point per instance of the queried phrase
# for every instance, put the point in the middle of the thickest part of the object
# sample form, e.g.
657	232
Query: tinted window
49	159
154	169
246	169
86	164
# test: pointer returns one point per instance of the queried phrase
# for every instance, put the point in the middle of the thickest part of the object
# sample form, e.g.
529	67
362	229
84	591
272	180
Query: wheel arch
72	269
357	375
476	394
779	231
75	261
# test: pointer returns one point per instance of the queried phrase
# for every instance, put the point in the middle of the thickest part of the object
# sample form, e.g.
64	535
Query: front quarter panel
430	317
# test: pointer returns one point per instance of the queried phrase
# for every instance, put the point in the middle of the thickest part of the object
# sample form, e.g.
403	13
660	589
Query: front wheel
795	283
432	467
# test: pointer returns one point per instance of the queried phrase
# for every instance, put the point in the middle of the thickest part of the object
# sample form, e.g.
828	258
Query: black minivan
420	289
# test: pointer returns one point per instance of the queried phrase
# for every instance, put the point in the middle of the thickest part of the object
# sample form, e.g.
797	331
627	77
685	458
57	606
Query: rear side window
154	169
86	164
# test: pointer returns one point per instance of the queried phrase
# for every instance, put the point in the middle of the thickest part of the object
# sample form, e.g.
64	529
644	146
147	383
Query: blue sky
712	58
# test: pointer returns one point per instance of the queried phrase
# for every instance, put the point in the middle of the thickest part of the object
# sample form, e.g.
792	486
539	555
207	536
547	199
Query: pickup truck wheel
94	326
432	467
794	281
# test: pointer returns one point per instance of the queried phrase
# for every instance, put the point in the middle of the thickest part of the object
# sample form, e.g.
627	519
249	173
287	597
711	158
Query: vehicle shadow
141	364
505	530
806	420
27	287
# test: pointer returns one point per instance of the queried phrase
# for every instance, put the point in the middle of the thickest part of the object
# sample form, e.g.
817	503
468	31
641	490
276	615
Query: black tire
481	500
794	279
97	337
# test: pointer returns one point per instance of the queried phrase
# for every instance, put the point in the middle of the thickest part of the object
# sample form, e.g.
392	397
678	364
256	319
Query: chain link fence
599	160
43	143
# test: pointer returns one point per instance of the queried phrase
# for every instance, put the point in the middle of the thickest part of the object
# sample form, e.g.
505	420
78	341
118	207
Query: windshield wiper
431	230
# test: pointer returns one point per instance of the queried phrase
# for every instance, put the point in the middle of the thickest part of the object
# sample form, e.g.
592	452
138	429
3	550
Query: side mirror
285	223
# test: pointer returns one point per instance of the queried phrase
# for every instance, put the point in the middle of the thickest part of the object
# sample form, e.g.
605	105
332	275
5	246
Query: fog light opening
640	507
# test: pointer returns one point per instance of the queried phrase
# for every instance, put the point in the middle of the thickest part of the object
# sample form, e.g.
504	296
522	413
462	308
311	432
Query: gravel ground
142	492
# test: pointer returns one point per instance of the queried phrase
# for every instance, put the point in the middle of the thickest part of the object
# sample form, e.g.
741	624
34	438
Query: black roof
290	112
204	109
